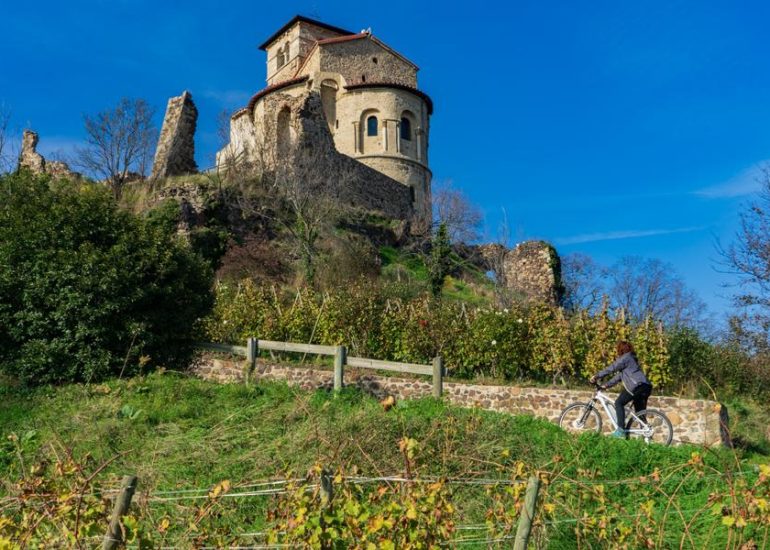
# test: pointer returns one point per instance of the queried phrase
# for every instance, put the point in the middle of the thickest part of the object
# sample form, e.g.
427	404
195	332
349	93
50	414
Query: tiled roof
348	38
343	38
264	91
303	19
415	91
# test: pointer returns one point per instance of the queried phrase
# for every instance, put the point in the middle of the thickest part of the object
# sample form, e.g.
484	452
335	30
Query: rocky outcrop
29	157
36	163
175	154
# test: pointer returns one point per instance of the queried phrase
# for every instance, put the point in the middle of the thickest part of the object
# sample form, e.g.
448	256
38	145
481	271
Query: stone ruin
531	270
175	154
36	163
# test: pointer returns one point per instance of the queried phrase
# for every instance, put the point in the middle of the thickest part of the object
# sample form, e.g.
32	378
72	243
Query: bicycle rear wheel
654	427
580	418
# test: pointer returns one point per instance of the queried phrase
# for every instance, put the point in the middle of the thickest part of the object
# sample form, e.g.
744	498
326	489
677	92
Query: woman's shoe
621	434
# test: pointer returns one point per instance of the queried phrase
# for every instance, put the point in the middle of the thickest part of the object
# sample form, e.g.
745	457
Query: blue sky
609	128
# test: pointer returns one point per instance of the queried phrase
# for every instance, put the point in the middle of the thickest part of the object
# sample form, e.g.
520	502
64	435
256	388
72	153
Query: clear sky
606	127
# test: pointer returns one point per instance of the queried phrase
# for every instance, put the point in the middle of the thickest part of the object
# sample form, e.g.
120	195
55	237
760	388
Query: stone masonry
368	104
175	154
30	159
695	421
531	270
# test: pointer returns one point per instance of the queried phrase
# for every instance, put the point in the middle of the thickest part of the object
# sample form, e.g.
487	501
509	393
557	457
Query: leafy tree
440	259
87	290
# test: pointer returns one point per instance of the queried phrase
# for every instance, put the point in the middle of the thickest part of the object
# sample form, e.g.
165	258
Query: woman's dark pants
639	397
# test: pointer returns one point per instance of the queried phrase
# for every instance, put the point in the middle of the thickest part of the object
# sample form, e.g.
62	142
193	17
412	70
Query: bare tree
650	287
495	256
7	159
749	258
119	141
292	189
584	282
454	209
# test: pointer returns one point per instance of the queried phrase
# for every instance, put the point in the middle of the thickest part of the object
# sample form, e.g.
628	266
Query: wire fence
488	533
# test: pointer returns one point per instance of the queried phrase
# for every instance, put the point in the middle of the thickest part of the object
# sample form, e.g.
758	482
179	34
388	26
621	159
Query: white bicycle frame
608	404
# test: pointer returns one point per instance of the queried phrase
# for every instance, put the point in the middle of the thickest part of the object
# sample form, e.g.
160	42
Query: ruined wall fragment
175	154
36	163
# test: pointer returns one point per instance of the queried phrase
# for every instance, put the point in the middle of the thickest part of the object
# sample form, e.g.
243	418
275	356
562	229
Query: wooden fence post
340	358
113	538
252	349
527	514
327	487
438	377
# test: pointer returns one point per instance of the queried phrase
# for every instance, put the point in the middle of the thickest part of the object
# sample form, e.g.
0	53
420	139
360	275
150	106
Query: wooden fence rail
251	350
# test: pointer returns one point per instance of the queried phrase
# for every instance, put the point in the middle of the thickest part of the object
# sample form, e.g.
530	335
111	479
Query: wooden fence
341	360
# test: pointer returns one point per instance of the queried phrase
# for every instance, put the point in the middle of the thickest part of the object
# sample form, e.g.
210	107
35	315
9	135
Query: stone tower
371	107
175	154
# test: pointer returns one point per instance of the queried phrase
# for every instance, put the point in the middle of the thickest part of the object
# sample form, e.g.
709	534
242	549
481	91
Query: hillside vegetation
177	434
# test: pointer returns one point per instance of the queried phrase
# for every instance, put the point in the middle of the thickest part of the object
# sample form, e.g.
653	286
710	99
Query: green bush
88	290
379	322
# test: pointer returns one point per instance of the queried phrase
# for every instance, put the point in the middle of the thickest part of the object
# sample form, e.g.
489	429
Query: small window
371	126
374	60
363	78
406	129
411	193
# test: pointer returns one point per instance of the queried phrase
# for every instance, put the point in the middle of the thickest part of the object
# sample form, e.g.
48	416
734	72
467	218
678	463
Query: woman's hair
624	347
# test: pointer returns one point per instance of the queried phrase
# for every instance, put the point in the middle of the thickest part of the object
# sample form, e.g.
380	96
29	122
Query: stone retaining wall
695	421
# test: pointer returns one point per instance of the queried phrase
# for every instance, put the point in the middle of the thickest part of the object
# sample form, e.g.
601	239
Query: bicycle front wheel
580	418
652	426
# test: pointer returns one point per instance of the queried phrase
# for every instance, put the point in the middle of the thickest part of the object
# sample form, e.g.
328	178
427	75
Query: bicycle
650	424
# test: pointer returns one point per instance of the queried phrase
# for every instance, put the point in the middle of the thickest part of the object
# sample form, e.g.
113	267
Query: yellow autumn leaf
411	513
376	524
728	520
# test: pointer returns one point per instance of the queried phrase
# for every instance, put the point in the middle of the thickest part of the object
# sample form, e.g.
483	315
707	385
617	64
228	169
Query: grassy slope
181	432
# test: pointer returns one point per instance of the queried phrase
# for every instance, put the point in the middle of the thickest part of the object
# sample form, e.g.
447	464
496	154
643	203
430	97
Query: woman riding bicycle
636	386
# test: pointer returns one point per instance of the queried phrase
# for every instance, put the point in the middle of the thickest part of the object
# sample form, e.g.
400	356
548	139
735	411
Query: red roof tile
264	91
303	19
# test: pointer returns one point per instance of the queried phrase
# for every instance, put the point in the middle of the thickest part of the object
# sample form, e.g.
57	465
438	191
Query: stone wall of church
363	60
291	128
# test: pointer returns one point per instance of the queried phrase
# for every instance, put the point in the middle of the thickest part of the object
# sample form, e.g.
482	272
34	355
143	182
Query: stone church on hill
349	104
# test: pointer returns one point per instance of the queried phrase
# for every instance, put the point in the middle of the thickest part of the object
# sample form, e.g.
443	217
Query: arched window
406	129
280	58
371	126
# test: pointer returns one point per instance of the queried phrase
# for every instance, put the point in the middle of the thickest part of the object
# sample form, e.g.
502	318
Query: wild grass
176	432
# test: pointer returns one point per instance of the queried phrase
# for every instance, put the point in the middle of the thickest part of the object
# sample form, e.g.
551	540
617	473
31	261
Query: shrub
86	289
378	321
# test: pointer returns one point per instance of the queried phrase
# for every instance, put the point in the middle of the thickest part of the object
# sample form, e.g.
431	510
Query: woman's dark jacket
630	373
